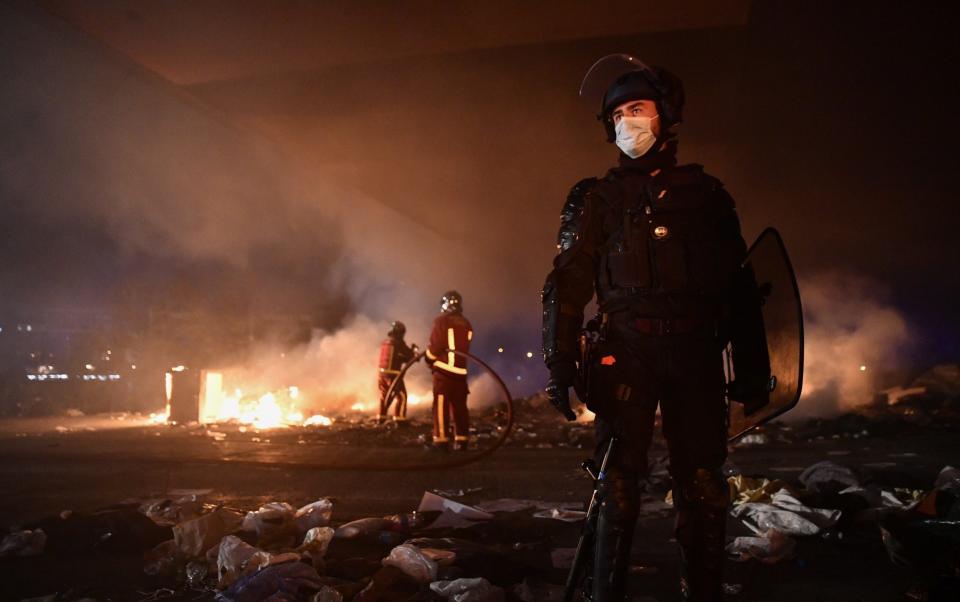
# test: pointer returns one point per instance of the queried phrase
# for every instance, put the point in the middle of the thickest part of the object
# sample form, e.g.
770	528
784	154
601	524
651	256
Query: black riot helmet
397	329
618	78
451	303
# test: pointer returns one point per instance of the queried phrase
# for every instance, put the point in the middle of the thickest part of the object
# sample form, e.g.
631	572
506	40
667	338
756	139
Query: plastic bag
231	558
196	536
468	590
314	514
413	562
771	547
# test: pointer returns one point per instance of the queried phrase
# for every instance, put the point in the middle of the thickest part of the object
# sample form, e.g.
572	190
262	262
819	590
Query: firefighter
660	246
394	354
451	332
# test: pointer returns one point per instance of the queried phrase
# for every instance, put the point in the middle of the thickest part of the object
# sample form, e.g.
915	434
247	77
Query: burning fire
275	409
269	410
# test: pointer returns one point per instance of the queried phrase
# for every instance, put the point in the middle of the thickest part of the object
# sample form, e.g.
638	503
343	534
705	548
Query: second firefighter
451	332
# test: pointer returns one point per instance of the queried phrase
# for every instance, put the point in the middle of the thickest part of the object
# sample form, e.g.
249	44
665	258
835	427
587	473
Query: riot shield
779	340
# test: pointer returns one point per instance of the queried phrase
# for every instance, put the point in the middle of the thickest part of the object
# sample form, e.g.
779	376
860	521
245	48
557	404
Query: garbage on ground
828	477
769	547
468	590
194	537
453	514
314	514
926	536
274	524
413	562
327	594
164	559
361	528
569	516
232	557
752	439
744	489
786	514
23	543
315	543
287	582
169	512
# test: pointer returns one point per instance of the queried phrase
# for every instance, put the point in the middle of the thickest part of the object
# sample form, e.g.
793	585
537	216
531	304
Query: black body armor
663	246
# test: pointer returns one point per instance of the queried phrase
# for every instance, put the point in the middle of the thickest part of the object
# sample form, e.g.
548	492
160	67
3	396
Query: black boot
615	524
701	503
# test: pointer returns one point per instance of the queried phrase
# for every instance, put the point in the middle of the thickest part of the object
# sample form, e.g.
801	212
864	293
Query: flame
318	420
261	410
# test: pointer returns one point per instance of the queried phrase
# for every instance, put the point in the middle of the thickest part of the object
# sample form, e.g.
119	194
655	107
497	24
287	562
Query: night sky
834	122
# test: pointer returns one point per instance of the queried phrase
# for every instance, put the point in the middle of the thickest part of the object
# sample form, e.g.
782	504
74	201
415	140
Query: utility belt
667	326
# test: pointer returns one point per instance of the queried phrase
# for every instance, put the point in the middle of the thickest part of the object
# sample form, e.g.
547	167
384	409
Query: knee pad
703	488
619	497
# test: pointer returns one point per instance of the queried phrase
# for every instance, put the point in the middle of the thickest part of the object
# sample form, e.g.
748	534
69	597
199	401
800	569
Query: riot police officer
660	245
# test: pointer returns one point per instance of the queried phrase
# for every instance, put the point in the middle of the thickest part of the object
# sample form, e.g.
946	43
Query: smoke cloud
854	338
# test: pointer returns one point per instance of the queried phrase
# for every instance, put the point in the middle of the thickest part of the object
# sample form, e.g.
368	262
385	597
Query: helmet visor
604	73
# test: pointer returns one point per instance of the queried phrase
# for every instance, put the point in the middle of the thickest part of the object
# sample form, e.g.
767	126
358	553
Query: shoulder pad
717	192
572	215
693	176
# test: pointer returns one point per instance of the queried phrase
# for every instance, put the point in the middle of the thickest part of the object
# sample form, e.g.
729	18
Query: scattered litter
770	547
231	558
827	477
413	562
314	514
449	493
164	559
360	528
749	490
74	413
327	594
278	583
568	516
431	502
274	524
23	543
785	514
753	439
196	536
468	590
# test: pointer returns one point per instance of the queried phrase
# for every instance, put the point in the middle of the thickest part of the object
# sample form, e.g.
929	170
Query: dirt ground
92	463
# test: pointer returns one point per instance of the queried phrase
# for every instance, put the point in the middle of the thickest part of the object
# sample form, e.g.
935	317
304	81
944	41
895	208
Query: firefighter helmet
397	329
451	302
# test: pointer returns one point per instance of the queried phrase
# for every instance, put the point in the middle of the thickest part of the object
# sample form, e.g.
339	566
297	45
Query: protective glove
562	376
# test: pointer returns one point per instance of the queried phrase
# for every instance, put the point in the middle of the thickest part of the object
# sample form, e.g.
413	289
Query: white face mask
635	135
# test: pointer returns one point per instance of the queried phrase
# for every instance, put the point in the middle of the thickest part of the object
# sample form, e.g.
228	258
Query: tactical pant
451	420
399	396
683	373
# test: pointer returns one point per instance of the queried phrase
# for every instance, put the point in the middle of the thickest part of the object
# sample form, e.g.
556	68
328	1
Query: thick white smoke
852	338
